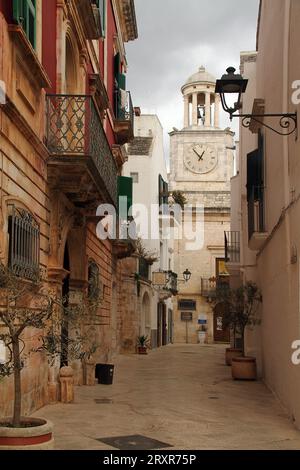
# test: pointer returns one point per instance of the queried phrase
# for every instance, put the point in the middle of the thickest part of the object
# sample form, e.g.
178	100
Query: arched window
93	280
24	244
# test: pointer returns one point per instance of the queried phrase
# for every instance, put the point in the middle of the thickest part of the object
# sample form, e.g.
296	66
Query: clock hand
200	157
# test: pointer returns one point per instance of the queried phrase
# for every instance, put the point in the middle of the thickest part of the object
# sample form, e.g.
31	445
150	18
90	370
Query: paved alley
181	395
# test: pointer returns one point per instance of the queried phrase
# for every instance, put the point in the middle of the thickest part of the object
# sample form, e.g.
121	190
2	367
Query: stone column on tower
195	110
186	111
217	111
207	110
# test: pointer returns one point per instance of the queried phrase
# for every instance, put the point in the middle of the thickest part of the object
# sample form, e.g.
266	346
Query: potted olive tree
23	305
242	311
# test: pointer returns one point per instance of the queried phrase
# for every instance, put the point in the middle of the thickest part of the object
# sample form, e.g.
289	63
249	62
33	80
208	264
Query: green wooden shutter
125	189
18	11
122	81
31	21
102	8
24	14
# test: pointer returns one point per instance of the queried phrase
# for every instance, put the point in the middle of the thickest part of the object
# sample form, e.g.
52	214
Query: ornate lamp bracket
288	122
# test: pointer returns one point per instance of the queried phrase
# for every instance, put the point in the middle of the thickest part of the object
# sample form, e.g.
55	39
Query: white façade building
147	168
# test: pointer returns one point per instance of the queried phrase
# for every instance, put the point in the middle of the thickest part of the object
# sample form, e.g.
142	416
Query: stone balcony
81	162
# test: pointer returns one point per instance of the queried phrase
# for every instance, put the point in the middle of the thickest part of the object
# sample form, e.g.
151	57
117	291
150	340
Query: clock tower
201	167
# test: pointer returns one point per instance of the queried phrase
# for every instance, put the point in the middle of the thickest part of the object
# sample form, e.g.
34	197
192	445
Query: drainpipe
286	92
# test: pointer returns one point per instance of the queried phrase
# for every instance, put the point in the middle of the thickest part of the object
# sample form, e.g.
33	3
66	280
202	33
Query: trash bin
104	373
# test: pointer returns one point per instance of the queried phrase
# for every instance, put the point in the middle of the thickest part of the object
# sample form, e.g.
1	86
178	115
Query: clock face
201	158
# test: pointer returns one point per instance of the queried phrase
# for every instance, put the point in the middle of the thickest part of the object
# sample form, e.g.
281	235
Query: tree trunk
17	378
243	340
234	336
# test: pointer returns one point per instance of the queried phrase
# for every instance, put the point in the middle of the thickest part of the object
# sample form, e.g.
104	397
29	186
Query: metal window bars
24	244
232	247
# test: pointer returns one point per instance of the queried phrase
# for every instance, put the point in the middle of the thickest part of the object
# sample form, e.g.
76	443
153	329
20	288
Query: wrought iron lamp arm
288	121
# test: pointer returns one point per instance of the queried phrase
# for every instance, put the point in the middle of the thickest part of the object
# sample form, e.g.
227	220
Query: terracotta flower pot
231	353
244	368
39	436
142	350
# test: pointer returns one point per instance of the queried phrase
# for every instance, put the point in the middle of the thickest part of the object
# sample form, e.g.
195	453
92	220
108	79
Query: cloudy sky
176	37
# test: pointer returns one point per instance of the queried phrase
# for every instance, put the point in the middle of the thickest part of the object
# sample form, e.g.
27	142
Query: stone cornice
203	132
128	19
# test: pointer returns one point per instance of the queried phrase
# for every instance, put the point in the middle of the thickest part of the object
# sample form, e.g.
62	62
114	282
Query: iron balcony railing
24	244
212	288
124	108
74	128
256	210
232	247
208	287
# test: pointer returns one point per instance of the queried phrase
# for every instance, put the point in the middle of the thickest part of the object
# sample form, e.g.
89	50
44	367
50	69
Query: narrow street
181	395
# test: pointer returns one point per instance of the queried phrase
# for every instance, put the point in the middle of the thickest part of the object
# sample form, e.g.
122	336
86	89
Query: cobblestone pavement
182	395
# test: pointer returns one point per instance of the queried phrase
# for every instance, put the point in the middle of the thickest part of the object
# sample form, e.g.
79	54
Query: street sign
202	319
186	316
159	278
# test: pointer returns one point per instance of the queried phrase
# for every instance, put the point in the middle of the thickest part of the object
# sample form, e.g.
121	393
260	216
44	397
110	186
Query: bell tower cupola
201	103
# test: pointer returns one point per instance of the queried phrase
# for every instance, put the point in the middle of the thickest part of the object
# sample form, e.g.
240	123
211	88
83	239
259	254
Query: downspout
285	101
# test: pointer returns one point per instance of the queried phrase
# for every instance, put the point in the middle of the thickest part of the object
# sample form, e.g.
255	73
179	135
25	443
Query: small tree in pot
23	305
242	308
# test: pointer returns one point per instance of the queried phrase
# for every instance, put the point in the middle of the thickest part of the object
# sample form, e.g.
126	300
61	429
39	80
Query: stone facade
147	162
270	247
201	167
60	189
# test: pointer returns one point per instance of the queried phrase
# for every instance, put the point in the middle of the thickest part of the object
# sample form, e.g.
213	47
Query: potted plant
23	305
179	198
202	334
242	307
143	344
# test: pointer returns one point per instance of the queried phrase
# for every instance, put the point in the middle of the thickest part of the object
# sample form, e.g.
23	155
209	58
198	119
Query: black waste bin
104	373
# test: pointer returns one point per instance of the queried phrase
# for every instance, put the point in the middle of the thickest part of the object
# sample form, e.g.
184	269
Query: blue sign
202	321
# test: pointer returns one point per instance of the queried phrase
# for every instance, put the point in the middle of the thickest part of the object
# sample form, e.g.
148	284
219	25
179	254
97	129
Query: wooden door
221	334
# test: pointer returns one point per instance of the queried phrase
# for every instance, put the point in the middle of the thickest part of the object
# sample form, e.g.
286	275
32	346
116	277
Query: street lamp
233	83
187	275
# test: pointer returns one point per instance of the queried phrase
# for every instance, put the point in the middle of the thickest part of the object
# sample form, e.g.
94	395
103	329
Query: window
125	190
255	189
135	177
24	244
101	5
24	14
93	280
120	89
187	305
144	270
163	191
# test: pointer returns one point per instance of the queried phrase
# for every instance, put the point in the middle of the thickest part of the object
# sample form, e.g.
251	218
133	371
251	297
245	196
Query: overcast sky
176	37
